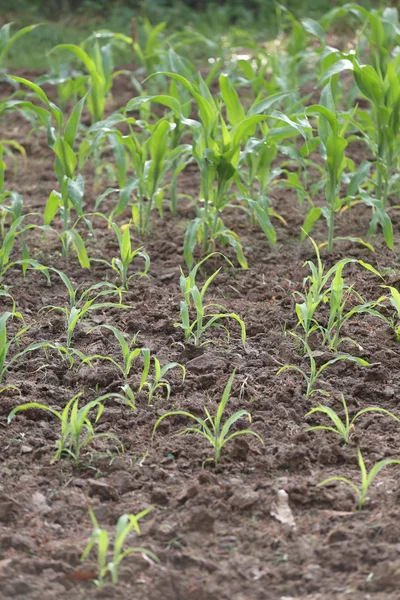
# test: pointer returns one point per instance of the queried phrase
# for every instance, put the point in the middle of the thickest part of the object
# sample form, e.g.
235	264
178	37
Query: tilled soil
211	527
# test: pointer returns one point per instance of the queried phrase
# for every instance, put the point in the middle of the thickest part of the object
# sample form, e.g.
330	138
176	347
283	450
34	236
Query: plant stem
206	200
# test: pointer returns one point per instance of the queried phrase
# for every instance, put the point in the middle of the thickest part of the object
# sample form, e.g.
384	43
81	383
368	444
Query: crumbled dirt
211	527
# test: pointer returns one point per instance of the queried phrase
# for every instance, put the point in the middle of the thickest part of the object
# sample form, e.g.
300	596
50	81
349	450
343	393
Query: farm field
209	245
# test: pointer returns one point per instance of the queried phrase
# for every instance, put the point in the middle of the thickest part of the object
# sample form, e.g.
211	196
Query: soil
211	526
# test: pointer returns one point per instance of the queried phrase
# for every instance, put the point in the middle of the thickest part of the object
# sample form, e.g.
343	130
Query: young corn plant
394	300
150	159
7	341
158	381
7	40
61	140
100	538
126	256
82	302
333	144
340	427
214	429
315	372
216	149
379	83
366	478
77	430
206	315
339	293
97	58
323	286
129	354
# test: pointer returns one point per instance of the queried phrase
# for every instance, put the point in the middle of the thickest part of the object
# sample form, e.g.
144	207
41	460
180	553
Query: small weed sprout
366	478
76	429
100	537
214	429
343	428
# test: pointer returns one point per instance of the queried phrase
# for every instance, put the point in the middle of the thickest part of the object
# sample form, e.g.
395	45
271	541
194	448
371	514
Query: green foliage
7	40
76	429
97	58
366	478
100	538
216	431
315	372
322	287
340	427
81	302
194	329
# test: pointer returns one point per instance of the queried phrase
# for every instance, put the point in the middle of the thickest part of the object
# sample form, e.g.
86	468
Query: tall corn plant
379	83
216	147
331	133
148	158
97	58
7	40
61	136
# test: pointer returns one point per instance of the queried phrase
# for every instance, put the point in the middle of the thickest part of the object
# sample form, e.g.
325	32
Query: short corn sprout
205	318
158	381
212	428
366	478
394	299
126	256
315	371
129	353
340	427
76	429
6	342
100	537
81	303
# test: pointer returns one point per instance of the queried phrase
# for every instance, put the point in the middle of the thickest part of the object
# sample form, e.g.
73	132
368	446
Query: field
209	249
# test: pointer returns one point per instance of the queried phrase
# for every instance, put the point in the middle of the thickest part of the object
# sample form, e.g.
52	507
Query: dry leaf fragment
281	510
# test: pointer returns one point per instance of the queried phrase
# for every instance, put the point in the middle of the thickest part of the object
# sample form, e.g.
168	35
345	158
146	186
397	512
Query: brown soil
210	527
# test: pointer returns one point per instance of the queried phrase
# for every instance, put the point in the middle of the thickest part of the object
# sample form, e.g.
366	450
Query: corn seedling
204	317
126	256
328	286
333	144
394	300
366	478
216	432
129	354
216	149
6	342
76	429
158	381
315	372
100	538
343	428
81	302
339	315
149	158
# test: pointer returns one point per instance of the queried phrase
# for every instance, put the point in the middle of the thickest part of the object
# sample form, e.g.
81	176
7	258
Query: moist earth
211	527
